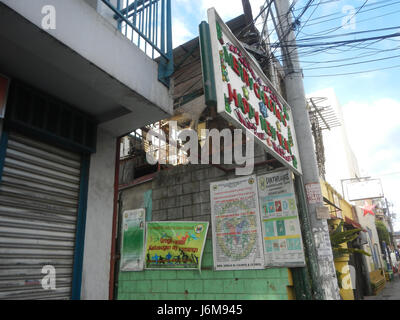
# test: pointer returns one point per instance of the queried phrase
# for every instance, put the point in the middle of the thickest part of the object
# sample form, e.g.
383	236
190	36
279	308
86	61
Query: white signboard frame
367	189
236	230
250	101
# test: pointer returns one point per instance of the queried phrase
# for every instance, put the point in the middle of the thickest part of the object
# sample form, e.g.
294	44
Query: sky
370	100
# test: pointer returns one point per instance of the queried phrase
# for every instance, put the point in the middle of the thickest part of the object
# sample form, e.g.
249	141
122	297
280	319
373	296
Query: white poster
236	230
283	245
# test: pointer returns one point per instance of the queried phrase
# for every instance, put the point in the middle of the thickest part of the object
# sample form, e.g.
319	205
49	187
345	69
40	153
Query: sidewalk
390	292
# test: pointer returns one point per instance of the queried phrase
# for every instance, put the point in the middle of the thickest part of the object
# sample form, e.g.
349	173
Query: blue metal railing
147	23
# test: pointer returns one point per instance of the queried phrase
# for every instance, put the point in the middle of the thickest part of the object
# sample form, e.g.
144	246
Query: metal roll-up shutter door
39	195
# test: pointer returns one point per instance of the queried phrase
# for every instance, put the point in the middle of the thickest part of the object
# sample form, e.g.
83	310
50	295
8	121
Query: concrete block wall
268	284
183	194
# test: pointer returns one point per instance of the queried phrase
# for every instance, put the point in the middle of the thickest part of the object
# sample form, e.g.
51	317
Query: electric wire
350	73
313	44
354	63
341	17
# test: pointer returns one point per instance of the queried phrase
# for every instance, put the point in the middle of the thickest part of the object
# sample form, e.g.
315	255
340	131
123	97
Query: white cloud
181	33
370	124
229	9
187	5
374	131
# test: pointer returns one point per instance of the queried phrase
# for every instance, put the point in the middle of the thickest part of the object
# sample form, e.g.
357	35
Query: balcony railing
147	23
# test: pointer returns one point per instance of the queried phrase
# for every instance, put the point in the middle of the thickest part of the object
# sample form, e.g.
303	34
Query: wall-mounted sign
175	245
323	212
244	95
314	193
283	245
368	189
4	84
132	249
236	230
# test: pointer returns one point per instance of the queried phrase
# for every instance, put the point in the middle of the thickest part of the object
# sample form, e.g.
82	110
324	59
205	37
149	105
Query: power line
322	2
341	46
255	19
316	7
352	58
343	42
355	46
289	29
347	34
349	73
354	63
341	26
384	6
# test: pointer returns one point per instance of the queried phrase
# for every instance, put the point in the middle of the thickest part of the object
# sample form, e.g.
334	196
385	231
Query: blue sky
370	101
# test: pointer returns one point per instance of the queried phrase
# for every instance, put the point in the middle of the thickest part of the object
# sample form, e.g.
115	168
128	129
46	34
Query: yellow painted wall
328	192
342	263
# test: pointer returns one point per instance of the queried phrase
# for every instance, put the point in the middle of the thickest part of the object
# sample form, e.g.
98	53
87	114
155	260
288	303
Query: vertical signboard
4	84
283	245
133	235
236	231
244	95
175	244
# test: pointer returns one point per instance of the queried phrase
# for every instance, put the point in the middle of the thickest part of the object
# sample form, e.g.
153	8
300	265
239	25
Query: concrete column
321	247
99	218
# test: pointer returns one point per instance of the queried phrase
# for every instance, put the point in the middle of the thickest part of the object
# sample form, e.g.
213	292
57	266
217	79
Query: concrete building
74	87
340	161
338	165
76	84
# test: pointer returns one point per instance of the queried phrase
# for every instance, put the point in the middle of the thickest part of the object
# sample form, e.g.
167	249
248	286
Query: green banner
175	245
133	224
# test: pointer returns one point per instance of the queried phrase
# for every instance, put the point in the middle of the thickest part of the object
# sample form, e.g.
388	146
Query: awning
353	223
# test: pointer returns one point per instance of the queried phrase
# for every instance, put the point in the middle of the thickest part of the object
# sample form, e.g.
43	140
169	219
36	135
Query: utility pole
317	241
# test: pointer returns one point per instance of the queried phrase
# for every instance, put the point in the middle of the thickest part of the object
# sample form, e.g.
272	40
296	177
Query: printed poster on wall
236	230
175	245
133	232
283	245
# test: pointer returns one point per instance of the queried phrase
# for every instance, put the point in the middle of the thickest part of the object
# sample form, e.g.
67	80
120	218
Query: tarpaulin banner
133	236
175	245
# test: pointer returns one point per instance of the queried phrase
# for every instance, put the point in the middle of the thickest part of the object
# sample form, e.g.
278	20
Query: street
390	292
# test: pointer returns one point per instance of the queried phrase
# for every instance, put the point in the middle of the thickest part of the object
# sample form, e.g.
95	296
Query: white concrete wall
369	221
97	252
341	162
86	32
